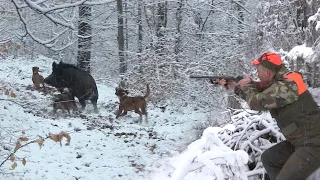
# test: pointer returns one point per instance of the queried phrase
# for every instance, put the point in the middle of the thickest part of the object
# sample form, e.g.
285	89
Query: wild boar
81	82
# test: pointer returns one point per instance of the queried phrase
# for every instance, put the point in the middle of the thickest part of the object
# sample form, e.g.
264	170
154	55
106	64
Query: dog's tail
147	93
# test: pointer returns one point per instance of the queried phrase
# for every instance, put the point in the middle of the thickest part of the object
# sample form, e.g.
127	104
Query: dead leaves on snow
7	91
12	157
24	141
15	164
24	162
18	145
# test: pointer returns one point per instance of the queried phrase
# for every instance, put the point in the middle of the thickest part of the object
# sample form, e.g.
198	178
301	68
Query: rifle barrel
214	77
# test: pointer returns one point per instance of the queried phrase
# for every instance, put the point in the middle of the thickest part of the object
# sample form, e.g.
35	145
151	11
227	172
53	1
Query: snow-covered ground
101	147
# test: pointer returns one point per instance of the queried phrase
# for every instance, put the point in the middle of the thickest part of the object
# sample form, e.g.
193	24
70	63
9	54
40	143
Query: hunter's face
263	73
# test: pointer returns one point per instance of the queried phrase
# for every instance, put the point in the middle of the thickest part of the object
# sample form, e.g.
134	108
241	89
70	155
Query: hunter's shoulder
284	86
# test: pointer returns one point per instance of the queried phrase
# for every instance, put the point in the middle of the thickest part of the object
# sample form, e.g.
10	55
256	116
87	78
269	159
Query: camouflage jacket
297	115
280	93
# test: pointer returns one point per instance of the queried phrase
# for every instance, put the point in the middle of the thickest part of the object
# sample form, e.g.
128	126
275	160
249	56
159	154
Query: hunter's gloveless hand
244	81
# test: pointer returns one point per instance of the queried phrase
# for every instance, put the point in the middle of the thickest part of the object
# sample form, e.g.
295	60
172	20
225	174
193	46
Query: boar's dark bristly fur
81	82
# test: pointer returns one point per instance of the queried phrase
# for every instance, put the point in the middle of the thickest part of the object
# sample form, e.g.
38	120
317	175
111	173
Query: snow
104	148
210	151
101	147
314	20
300	51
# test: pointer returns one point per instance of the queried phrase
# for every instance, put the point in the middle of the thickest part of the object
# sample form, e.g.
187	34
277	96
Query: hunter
286	96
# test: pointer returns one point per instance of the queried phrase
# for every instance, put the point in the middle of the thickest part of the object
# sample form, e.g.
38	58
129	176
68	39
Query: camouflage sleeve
277	95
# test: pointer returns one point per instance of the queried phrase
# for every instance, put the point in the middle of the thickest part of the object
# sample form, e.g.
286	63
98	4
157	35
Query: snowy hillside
101	147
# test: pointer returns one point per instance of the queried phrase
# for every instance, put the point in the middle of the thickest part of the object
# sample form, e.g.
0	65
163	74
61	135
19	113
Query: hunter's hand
222	82
227	84
244	81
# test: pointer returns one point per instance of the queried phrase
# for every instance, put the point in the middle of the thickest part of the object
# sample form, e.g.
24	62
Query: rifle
213	78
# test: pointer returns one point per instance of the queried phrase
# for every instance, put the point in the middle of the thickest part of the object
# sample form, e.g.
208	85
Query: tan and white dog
138	104
37	79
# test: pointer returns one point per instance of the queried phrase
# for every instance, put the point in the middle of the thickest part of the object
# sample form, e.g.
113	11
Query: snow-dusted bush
254	133
232	152
209	157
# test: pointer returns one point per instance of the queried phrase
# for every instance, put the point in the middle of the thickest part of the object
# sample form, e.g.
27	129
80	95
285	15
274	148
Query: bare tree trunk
123	64
140	31
126	39
85	37
160	24
177	44
162	18
178	35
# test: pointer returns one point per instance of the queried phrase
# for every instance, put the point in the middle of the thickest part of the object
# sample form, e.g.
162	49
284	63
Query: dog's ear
35	68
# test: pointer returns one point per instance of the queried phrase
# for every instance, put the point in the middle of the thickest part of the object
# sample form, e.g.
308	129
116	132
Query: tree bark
160	24
85	37
123	64
140	31
178	36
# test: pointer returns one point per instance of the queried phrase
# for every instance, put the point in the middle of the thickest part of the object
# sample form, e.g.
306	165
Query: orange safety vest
297	78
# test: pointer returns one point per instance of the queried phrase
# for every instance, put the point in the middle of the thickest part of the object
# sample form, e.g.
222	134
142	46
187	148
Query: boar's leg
94	100
83	103
94	103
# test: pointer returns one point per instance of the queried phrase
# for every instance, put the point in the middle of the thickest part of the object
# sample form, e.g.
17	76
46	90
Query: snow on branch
49	42
314	20
208	156
254	133
37	5
231	152
49	12
52	23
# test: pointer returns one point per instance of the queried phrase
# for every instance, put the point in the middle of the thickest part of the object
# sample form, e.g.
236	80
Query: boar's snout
46	80
49	80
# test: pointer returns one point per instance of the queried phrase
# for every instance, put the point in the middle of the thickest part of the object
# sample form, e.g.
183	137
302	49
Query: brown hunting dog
64	101
138	103
37	79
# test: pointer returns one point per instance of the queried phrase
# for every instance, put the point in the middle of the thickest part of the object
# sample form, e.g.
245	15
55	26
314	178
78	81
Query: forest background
134	42
162	42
